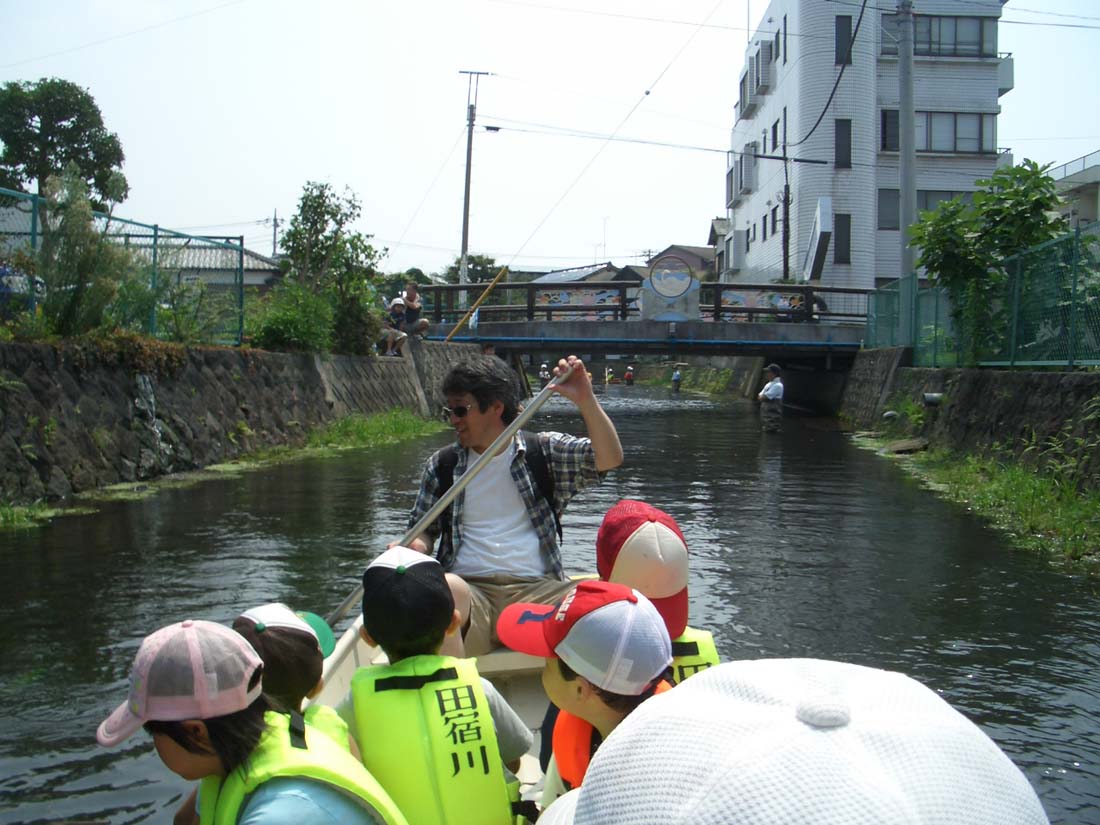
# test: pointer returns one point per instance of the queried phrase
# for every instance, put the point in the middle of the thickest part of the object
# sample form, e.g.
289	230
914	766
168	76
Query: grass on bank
1036	511
353	432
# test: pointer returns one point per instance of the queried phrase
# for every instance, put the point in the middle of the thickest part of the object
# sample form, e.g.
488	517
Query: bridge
599	318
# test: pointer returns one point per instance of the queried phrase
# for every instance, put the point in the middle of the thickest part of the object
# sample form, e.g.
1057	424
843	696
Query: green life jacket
426	733
328	721
290	748
692	652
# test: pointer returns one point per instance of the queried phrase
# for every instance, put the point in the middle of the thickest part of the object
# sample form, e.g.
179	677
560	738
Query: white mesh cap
799	741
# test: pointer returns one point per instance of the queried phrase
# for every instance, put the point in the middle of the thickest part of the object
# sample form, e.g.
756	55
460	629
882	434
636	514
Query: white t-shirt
773	390
497	534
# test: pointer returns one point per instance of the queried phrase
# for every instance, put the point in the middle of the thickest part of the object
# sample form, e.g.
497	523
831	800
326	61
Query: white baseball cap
778	741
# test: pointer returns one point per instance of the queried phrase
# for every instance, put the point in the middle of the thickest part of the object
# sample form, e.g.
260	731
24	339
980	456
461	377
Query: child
643	547
607	650
394	332
292	647
196	688
421	721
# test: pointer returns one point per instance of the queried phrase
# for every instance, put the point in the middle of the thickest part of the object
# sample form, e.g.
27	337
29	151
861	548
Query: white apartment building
791	65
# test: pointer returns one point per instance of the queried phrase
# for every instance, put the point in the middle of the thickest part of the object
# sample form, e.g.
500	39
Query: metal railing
619	301
1074	166
170	260
1047	312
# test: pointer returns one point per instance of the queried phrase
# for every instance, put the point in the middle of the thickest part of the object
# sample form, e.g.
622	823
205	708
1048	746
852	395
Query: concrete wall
72	420
980	409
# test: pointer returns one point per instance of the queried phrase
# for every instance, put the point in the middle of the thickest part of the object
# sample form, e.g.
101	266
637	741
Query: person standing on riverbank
771	400
499	543
676	378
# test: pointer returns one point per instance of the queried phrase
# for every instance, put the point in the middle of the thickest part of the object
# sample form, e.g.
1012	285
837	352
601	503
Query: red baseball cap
610	634
642	547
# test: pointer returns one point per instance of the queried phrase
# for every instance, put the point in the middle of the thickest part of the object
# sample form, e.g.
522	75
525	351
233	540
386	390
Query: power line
840	74
114	37
431	185
555	131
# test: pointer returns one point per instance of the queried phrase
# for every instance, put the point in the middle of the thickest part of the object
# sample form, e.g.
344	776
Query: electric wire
431	186
122	35
839	76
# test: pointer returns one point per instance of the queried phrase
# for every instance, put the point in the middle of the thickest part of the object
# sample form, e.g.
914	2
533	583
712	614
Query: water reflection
802	546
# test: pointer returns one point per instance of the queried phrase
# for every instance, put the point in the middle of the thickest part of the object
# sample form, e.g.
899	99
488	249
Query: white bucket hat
779	741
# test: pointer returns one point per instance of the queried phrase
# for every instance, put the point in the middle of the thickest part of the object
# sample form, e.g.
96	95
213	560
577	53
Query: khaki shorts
489	596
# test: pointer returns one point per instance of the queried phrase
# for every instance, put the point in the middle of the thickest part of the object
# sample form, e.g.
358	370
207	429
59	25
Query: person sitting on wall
414	324
394	334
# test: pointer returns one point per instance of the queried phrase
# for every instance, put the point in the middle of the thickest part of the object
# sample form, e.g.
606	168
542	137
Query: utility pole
907	155
786	216
274	233
471	111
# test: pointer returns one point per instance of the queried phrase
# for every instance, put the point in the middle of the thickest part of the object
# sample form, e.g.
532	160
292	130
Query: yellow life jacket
692	652
426	733
289	748
328	721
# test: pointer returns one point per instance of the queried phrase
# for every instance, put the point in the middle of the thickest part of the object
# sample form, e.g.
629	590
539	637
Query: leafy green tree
330	259
49	125
82	269
964	246
480	269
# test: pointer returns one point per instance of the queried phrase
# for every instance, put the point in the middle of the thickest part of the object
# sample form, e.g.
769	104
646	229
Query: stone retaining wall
980	409
70	422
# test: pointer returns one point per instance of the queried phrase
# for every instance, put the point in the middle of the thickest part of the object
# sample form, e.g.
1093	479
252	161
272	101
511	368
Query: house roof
705	254
719	228
576	274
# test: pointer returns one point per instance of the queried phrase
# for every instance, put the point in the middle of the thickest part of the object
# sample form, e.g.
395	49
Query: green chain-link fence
201	284
1049	311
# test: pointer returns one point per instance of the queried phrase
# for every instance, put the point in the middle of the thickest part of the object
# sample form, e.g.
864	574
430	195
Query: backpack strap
536	466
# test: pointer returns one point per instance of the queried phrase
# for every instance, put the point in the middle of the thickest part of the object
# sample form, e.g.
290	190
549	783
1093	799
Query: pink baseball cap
608	633
189	670
642	547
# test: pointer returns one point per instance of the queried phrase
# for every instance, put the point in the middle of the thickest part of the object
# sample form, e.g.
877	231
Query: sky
226	109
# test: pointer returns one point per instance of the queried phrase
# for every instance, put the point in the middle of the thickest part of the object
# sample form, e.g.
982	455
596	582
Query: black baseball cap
405	597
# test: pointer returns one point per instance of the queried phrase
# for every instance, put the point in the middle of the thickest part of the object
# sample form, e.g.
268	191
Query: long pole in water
460	483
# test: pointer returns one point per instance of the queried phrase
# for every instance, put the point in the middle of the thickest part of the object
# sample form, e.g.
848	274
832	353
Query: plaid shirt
571	460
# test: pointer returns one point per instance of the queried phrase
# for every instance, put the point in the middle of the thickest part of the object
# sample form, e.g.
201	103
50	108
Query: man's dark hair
487	379
233	737
618	702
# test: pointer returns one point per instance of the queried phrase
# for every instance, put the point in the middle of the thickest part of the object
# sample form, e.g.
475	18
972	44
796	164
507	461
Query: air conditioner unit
762	68
735	250
746	166
746	87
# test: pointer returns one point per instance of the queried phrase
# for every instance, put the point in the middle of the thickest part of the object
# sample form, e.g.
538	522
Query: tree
480	269
331	260
49	125
965	246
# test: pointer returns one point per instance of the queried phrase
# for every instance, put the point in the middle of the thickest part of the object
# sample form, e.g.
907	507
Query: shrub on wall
294	318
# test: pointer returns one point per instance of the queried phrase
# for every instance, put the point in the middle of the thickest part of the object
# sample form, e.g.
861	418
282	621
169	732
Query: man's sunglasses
457	412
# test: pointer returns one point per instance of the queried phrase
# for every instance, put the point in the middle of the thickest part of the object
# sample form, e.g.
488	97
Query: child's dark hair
618	702
232	737
488	379
292	661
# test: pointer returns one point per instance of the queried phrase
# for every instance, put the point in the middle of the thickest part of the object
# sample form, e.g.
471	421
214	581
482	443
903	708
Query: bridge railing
619	300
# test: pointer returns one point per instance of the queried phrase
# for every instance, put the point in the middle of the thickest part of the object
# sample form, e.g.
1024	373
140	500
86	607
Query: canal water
802	545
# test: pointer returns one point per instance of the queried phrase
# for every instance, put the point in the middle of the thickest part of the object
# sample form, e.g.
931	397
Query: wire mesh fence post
1073	295
240	290
34	248
936	329
1016	287
153	282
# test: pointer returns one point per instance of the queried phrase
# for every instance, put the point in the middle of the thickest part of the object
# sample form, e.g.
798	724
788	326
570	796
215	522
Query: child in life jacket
427	721
293	647
196	687
607	650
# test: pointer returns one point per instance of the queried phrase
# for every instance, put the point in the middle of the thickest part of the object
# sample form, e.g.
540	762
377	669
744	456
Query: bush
294	319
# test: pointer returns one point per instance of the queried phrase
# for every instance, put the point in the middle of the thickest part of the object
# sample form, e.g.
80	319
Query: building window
889	130
963	132
842	238
843	39
775	49
785	39
784	125
842	139
942	36
889	205
775	218
764	142
764	228
775	135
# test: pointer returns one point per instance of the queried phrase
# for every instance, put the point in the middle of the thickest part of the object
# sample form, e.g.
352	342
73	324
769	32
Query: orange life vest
573	743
